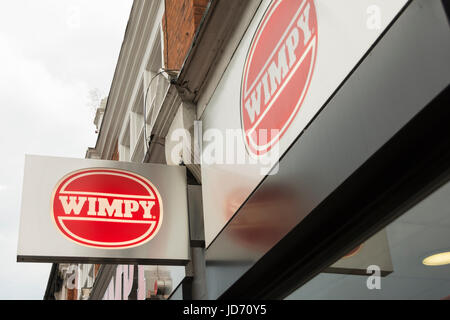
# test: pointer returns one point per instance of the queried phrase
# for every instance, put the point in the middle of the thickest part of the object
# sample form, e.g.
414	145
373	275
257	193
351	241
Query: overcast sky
52	54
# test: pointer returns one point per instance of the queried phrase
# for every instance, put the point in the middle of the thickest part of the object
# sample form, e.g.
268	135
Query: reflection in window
396	258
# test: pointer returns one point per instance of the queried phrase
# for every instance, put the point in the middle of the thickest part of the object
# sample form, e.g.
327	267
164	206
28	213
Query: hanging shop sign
83	210
375	251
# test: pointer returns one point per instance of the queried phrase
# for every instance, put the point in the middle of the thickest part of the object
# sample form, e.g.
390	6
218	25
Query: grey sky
52	53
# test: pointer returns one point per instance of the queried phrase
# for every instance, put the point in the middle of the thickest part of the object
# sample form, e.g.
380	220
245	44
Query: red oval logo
277	72
107	208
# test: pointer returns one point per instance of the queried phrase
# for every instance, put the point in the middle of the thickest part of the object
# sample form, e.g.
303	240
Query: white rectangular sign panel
99	211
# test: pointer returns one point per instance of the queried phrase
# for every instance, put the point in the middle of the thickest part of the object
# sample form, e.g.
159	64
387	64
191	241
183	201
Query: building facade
316	131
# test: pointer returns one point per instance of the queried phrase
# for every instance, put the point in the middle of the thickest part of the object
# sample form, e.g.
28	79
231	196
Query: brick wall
72	294
183	19
116	152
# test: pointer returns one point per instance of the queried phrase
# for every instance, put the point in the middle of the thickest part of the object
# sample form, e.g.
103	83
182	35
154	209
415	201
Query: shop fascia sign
121	287
83	210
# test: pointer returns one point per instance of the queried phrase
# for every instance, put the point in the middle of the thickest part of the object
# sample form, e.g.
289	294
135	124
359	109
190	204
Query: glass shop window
409	259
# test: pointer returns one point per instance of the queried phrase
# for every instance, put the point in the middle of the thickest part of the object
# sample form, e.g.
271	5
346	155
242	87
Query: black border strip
101	260
446	5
